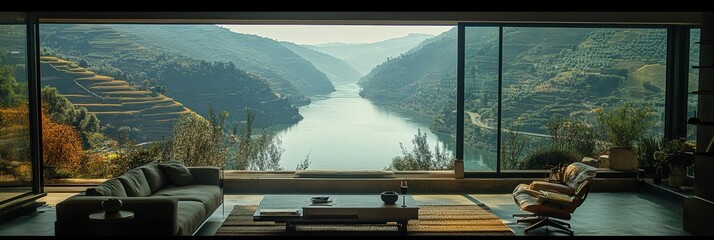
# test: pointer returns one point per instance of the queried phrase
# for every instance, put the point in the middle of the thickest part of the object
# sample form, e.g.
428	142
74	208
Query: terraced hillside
114	101
196	83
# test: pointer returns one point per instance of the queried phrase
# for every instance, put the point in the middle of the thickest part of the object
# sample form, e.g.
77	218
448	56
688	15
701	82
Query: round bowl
389	197
111	205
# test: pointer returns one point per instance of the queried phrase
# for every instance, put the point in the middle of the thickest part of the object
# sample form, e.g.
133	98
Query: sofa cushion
135	183
154	176
209	195
178	173
111	187
190	216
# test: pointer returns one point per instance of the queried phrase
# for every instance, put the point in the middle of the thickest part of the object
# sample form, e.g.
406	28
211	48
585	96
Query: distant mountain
422	80
365	56
197	84
286	71
337	70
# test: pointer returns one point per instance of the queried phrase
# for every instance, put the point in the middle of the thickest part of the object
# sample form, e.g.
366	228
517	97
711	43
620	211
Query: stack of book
320	201
280	212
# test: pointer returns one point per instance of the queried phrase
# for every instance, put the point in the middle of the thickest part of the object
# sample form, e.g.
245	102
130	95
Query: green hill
286	71
546	72
423	81
193	82
365	56
337	70
113	101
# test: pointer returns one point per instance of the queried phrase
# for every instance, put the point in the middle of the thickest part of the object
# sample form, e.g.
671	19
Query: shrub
573	134
95	166
548	157
131	157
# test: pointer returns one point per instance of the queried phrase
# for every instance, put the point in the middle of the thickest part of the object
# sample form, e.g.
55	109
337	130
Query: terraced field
114	101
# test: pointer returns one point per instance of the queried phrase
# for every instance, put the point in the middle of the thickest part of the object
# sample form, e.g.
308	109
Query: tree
626	124
10	91
262	152
268	152
201	142
61	145
513	147
14	126
305	163
61	110
83	63
421	158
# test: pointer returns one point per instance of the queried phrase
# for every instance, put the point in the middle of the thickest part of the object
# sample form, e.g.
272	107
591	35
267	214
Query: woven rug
469	220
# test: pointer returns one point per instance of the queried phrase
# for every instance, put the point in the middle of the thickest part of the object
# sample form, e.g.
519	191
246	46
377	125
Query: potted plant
622	127
675	154
645	149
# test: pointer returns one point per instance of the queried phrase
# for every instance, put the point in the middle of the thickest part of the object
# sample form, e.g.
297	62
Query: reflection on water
341	130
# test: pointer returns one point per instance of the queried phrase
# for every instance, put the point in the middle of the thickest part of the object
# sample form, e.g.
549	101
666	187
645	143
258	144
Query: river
342	130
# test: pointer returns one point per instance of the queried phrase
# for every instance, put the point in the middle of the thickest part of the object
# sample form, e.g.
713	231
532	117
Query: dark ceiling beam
385	18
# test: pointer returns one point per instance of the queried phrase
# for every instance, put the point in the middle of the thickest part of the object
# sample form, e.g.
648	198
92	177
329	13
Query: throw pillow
178	173
111	187
135	183
154	176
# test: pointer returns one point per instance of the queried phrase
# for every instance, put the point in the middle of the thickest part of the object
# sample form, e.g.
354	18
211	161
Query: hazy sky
317	34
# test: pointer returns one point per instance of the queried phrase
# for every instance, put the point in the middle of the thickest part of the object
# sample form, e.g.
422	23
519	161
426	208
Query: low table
350	209
103	217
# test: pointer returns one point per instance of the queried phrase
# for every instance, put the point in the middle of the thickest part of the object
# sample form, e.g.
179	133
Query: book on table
280	212
321	201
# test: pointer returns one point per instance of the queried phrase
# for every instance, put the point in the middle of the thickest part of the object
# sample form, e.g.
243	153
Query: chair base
541	221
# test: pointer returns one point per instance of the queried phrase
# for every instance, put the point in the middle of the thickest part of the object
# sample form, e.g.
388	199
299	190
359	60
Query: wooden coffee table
346	209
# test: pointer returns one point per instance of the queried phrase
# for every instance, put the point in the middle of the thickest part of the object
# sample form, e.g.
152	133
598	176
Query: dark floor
626	213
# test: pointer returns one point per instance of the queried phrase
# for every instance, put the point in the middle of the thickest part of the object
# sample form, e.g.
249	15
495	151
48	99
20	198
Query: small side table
103	217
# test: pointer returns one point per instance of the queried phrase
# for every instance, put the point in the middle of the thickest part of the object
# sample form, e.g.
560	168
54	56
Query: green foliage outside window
421	157
548	157
573	134
625	124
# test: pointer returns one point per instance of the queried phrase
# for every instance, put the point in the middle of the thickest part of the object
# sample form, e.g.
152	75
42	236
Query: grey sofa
159	206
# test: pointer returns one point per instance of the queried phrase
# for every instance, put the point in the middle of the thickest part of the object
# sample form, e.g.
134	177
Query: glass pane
15	162
131	93
481	98
693	82
556	79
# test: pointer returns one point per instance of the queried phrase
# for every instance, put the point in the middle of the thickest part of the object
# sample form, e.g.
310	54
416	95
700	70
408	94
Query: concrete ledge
343	174
416	185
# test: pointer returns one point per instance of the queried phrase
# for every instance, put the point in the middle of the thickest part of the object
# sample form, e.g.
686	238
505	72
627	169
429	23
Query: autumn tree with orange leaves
61	146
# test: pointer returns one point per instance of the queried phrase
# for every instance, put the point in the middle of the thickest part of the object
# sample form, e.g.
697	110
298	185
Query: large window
481	98
243	97
554	80
15	160
255	97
